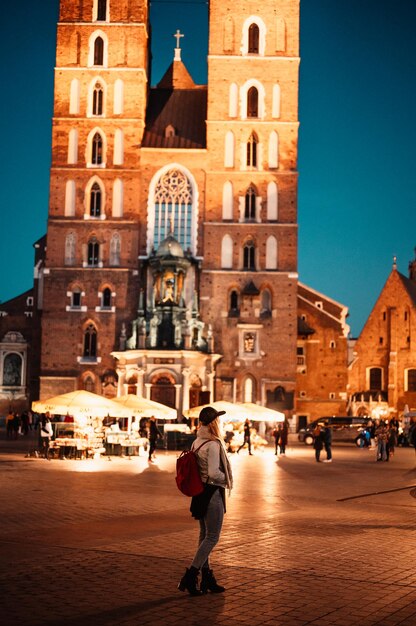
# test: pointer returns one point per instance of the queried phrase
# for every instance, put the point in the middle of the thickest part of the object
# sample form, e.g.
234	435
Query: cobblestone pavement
105	543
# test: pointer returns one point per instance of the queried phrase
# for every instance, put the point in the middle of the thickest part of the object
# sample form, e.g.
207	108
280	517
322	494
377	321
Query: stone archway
163	389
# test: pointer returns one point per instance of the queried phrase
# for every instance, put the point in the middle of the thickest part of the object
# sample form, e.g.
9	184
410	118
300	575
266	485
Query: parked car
343	429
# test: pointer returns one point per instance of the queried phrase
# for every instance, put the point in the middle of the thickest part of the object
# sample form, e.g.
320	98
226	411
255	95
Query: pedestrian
25	423
9	424
381	436
154	435
284	430
209	507
318	443
16	425
412	434
392	439
247	437
276	436
327	440
46	433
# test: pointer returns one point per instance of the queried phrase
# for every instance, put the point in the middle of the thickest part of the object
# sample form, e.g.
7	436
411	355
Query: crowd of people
20	423
383	436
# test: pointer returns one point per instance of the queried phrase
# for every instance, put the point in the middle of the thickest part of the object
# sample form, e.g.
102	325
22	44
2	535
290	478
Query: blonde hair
214	429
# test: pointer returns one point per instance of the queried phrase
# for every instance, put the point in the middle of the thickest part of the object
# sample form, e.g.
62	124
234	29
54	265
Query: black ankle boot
208	582
189	582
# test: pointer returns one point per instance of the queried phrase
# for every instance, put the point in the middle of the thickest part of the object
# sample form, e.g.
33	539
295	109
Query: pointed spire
178	35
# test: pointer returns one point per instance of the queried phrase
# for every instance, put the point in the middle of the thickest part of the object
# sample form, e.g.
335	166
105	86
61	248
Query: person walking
247	437
327	440
276	436
209	507
154	435
318	443
46	433
9	424
283	437
381	435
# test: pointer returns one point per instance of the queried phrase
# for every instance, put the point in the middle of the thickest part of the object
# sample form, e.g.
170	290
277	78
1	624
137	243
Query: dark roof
184	109
409	285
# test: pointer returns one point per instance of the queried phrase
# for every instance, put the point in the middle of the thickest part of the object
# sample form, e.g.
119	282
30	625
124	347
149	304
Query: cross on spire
178	35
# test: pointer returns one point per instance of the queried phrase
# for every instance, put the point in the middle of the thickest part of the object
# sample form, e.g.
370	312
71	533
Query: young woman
209	507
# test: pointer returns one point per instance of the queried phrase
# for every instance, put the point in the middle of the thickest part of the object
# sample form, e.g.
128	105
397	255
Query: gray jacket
209	459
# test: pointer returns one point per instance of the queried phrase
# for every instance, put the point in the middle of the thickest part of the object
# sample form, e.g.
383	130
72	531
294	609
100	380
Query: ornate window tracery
173	208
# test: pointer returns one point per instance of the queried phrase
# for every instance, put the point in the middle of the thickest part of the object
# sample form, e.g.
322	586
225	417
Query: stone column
185	382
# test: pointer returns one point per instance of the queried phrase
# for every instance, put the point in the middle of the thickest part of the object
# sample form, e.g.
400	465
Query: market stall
78	422
138	410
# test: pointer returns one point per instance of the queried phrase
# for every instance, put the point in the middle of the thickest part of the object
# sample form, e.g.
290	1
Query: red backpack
188	477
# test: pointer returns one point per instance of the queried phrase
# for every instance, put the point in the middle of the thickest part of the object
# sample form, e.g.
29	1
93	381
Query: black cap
208	414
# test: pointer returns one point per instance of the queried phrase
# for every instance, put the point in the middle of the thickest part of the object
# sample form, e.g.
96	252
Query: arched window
227	201
266	303
89	384
97	149
173	207
271	253
234	305
73	146
99	51
272	201
106	297
101	10
12	370
118	157
375	379
95	200
252	150
74	97
98	99
233	103
250	204
411	380
249	253
70	243
253	39
229	149
90	341
227	252
252	102
115	249
118	97
118	198
276	101
93	252
249	390
273	150
70	198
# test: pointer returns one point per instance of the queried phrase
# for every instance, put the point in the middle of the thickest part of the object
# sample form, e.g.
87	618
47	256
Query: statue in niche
131	343
12	370
169	289
249	342
154	323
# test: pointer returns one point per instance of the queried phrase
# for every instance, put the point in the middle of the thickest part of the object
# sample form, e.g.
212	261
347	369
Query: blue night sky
357	196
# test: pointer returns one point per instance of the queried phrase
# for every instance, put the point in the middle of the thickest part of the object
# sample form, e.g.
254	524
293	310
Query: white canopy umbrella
141	407
78	404
257	413
233	411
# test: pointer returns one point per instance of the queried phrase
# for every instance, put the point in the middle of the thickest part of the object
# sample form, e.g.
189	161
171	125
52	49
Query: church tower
249	276
171	263
94	223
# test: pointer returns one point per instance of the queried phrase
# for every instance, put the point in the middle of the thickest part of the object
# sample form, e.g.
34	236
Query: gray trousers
210	530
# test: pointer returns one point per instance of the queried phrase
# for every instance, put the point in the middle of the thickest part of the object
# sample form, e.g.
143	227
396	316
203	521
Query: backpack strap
202	444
